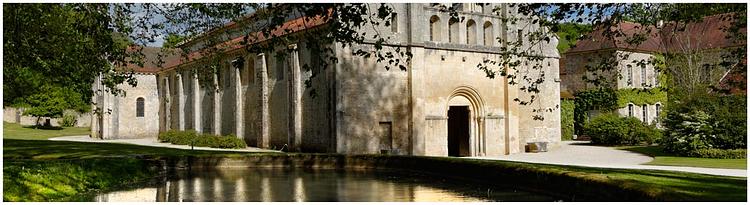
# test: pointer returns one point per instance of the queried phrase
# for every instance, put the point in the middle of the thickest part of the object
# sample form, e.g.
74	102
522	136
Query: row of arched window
644	111
436	27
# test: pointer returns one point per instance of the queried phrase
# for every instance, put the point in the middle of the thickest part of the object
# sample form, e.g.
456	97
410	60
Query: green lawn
42	170
666	159
17	131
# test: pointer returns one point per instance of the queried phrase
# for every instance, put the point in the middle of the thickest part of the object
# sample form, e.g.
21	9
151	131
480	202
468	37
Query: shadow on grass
43	149
42	127
654	151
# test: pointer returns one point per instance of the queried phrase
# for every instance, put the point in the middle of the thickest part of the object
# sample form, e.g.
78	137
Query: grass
661	185
18	131
42	170
662	158
70	180
43	149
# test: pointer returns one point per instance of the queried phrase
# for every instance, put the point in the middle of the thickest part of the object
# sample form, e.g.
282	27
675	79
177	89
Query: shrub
567	107
705	122
68	120
201	140
719	153
611	129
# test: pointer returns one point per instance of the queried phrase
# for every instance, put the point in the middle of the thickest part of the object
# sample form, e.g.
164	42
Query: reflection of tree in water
321	185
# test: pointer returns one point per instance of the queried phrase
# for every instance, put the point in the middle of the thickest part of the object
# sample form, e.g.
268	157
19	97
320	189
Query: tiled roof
709	33
154	58
598	41
153	62
289	27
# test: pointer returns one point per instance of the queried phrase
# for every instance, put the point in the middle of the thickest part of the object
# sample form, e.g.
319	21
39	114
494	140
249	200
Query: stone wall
357	106
15	115
119	119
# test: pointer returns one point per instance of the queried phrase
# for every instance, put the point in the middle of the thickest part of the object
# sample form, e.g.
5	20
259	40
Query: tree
70	44
569	33
172	40
54	52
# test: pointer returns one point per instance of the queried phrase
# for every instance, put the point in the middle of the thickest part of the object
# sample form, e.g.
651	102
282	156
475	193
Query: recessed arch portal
465	133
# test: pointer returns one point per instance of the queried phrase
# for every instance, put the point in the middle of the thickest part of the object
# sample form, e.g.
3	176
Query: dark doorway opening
458	131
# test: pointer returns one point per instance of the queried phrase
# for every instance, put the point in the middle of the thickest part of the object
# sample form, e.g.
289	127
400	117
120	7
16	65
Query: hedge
719	153
567	108
201	140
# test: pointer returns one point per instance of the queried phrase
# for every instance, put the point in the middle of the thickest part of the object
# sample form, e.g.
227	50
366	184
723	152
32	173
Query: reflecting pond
270	185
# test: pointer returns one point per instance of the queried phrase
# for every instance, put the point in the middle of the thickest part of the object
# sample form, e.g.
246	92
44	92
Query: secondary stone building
441	105
136	114
625	66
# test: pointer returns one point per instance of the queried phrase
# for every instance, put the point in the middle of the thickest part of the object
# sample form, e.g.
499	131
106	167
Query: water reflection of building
278	185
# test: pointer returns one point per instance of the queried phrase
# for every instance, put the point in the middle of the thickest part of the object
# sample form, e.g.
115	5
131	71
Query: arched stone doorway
465	136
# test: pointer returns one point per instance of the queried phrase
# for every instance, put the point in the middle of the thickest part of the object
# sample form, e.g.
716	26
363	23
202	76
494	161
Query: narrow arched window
630	75
630	110
644	109
394	22
471	32
658	112
434	28
643	77
453	30
139	104
489	36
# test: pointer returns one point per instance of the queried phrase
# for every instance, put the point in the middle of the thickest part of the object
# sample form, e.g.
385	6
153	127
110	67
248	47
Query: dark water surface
269	185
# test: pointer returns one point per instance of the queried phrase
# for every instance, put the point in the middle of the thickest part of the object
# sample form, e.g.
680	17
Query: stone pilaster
512	139
167	104
239	119
295	101
263	122
419	121
196	103
217	103
181	102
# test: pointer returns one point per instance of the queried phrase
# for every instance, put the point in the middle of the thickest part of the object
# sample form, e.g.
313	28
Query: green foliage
640	96
611	129
569	33
66	180
706	122
53	54
68	120
606	100
201	140
719	153
567	108
603	100
53	102
172	40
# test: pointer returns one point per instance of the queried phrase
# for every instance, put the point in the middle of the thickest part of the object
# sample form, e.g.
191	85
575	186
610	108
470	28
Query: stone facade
119	118
359	107
627	73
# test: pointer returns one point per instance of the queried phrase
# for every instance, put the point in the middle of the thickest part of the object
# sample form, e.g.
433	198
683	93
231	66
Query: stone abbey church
441	105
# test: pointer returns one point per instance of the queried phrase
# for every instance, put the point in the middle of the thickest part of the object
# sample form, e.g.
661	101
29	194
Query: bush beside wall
611	129
201	140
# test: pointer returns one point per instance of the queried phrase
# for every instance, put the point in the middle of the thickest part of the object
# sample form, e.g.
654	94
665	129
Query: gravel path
153	143
579	153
